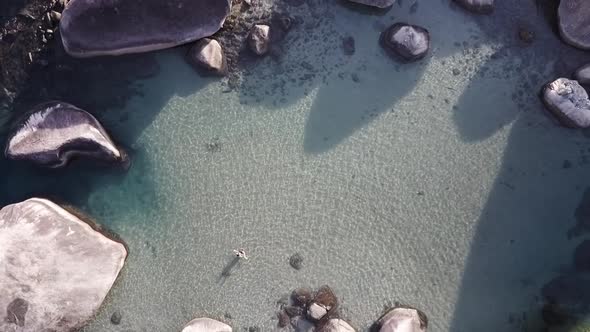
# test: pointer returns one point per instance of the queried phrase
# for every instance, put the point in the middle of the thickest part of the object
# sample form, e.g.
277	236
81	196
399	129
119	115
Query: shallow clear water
395	182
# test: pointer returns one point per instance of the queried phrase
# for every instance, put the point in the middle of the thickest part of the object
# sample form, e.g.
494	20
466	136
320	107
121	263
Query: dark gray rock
114	27
376	3
259	39
567	299
405	41
403	319
116	318
54	132
582	75
582	257
302	296
56	268
574	18
568	101
208	58
206	325
296	261
477	6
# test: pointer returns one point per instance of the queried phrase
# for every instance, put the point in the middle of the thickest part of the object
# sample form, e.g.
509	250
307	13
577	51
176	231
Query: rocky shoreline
37	42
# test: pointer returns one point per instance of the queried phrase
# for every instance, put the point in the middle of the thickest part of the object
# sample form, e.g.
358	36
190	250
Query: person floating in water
241	253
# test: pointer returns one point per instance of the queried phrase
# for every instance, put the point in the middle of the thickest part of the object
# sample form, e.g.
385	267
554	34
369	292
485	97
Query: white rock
259	39
316	311
206	325
569	102
402	320
56	269
208	56
337	325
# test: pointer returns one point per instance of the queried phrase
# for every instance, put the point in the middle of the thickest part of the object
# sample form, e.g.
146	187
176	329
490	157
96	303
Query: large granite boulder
208	58
403	319
54	132
568	101
477	6
376	3
206	325
406	42
56	268
114	27
574	22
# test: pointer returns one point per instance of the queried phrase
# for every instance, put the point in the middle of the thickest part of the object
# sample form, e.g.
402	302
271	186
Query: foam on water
438	184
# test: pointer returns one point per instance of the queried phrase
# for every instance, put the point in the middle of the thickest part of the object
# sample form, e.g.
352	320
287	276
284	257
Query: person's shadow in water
521	238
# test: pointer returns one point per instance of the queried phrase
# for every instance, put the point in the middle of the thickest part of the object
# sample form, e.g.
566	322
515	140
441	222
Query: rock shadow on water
522	229
125	93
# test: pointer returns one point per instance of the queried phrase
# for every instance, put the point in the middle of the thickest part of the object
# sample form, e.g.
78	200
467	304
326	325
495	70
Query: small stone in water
254	329
456	72
348	45
301	296
526	35
296	261
116	318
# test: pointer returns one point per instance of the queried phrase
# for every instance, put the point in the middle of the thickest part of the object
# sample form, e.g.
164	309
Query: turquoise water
395	182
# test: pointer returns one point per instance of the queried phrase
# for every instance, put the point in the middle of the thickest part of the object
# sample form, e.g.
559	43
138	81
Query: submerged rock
259	39
406	41
337	325
54	132
296	261
403	319
573	18
477	6
567	298
582	75
206	325
56	268
376	3
114	27
568	101
582	257
208	57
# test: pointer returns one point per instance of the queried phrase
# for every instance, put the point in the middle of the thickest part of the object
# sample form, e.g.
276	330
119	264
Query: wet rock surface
477	6
573	16
569	102
107	27
57	268
403	319
208	58
406	42
55	132
206	325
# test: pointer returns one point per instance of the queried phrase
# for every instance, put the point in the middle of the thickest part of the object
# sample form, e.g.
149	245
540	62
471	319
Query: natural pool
443	184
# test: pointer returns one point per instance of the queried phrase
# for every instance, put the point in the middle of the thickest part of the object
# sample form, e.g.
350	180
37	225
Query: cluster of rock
25	37
307	310
37	236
